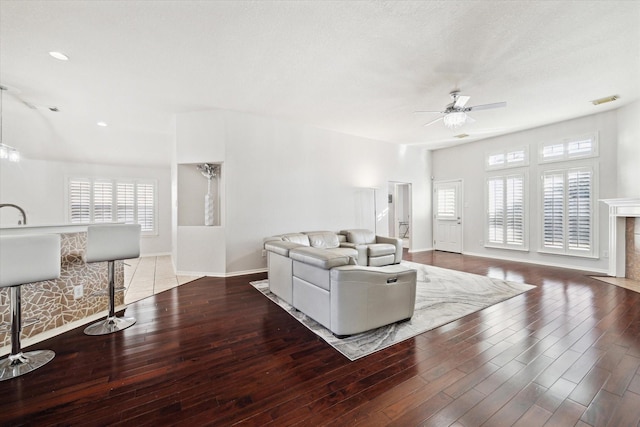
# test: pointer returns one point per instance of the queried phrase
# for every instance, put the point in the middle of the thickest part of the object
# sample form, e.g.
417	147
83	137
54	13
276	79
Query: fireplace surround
623	237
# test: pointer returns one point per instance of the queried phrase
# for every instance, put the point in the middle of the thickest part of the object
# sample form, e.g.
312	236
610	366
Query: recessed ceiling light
59	55
103	124
462	135
605	100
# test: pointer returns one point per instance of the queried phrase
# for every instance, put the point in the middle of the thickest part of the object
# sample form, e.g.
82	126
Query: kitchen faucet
24	215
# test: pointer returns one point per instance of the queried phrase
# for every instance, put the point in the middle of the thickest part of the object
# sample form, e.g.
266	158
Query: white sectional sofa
320	274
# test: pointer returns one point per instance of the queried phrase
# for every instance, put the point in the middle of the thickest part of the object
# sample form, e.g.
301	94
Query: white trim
619	211
537	262
221	275
413	251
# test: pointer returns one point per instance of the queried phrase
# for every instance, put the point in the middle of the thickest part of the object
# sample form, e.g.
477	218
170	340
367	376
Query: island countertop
44	228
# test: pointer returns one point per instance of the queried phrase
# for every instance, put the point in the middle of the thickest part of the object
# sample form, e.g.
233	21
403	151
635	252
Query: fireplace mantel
619	210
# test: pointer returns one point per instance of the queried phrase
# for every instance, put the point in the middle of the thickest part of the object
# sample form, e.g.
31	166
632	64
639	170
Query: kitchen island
53	302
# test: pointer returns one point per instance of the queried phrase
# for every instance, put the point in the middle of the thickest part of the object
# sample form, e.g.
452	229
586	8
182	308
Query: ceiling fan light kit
455	120
455	114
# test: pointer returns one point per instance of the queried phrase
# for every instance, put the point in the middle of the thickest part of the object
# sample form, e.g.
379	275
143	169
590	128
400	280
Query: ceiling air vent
605	100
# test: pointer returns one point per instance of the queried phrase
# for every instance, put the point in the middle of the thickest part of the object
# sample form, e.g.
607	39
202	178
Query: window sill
511	248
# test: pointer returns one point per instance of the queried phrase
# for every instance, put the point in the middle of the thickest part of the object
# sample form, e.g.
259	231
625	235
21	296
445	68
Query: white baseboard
155	254
412	250
537	262
218	274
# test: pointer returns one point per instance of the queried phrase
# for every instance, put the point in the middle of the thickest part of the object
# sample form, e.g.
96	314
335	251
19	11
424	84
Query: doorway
447	216
400	208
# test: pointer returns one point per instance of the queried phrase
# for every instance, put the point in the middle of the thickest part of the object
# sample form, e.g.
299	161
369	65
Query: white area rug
442	296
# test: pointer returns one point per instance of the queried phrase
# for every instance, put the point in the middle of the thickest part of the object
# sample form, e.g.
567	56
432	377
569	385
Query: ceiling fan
455	114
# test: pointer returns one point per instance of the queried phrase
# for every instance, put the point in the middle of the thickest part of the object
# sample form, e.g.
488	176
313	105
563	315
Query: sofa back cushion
298	238
323	239
360	236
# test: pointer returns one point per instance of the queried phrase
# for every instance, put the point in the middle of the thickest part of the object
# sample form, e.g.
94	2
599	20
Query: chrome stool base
23	363
109	325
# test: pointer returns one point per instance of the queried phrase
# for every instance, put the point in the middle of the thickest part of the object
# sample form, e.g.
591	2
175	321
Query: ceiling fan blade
461	101
433	121
487	106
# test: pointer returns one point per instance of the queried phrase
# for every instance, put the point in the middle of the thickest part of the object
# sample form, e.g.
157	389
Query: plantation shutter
80	201
446	203
495	214
579	183
514	200
145	208
553	210
102	201
506	211
125	202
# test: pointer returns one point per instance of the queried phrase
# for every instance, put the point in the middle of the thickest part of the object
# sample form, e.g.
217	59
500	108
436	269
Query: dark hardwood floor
217	352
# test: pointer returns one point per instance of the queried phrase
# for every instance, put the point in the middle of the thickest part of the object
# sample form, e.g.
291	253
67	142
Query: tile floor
147	276
632	285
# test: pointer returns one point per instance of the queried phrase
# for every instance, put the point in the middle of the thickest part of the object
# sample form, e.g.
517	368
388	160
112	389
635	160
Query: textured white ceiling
359	67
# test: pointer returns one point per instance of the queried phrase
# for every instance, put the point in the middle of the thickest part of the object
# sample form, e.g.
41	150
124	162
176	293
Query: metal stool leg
111	323
19	363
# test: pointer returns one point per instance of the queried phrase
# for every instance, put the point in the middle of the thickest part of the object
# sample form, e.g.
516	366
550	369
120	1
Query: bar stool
111	242
26	259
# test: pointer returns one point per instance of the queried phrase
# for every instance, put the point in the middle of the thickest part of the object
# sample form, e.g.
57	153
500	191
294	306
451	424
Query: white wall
629	151
39	187
282	177
467	163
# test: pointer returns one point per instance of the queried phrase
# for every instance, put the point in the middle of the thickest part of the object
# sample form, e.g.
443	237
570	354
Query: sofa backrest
323	239
299	238
360	236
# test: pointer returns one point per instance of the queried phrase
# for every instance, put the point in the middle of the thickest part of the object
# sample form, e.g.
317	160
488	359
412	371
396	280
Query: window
446	203
506	212
568	211
105	200
503	159
569	148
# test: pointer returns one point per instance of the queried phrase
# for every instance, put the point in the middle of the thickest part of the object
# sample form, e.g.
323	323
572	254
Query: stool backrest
29	258
109	242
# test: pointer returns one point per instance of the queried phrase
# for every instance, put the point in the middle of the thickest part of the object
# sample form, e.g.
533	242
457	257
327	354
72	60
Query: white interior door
447	216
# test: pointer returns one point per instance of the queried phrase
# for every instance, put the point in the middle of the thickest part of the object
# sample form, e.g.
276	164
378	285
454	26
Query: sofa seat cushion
323	258
281	247
380	249
323	239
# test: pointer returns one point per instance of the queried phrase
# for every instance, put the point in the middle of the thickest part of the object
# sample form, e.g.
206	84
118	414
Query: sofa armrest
362	251
394	241
370	297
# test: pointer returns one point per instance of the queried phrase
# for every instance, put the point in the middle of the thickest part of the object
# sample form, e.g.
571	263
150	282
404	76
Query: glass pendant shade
455	119
6	151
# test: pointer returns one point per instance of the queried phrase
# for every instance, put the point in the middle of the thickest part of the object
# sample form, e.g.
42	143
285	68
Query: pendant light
7	152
